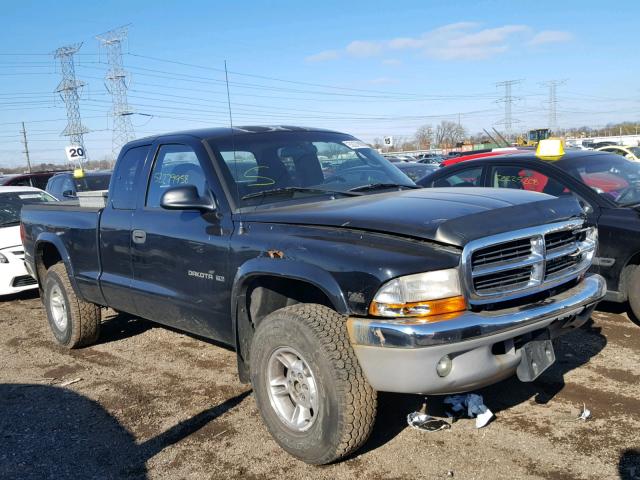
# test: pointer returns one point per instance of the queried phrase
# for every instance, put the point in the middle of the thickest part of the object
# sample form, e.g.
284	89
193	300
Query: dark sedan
414	170
607	185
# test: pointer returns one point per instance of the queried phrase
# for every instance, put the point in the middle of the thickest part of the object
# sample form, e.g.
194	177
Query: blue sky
368	68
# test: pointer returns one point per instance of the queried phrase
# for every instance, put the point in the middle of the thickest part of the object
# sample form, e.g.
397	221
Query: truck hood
453	216
10	237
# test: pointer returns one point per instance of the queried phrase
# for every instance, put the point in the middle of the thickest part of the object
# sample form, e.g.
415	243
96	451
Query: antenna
233	141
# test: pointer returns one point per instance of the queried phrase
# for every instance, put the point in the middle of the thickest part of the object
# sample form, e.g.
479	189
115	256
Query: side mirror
186	197
68	194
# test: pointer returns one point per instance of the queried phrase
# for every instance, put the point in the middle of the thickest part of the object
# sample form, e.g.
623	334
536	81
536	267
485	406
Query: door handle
139	236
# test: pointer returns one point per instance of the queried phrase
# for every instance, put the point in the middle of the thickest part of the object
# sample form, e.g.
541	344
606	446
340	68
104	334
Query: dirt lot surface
153	403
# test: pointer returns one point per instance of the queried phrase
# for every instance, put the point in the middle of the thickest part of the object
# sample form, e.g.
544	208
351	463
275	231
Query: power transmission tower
68	90
26	146
116	84
553	101
508	101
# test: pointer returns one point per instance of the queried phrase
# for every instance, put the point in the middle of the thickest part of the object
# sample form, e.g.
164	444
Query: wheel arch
263	285
49	250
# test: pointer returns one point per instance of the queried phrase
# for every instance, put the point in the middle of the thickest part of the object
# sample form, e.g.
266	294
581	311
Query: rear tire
302	361
73	322
633	293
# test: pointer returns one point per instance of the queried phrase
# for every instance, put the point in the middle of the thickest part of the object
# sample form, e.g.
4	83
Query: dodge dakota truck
326	268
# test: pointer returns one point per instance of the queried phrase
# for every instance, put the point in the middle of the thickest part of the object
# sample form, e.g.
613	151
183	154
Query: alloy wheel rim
293	390
58	308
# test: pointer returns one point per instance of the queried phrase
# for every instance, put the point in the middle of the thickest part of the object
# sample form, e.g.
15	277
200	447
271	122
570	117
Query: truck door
180	256
115	230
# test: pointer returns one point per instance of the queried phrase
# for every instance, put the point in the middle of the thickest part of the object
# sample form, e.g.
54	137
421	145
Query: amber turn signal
429	308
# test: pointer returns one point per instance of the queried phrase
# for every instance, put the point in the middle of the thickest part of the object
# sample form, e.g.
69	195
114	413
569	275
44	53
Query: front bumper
401	355
14	278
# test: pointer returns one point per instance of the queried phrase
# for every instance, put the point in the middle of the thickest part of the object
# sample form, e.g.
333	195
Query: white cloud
455	41
550	36
391	62
359	48
323	56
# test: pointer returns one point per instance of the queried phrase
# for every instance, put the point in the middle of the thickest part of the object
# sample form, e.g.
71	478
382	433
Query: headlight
3	259
588	243
420	295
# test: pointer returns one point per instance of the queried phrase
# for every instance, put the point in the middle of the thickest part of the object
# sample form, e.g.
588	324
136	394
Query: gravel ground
149	402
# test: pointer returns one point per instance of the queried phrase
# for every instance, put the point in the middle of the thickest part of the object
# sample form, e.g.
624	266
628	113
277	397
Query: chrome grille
514	264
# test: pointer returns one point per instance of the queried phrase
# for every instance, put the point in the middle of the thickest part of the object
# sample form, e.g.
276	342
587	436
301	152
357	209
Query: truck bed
74	231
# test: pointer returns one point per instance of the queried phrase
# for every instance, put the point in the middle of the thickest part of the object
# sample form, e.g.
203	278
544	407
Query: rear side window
519	178
175	165
125	177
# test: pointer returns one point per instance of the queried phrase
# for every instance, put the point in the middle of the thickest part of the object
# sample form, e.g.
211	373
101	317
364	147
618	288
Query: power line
68	90
116	81
552	102
508	101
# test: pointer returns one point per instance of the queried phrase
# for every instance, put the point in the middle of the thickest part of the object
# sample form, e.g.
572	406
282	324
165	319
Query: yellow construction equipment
533	137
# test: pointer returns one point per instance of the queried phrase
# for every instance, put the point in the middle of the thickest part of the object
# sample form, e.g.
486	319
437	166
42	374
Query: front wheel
308	384
73	322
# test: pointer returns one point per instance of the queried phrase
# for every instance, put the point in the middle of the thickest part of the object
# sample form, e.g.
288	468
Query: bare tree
448	134
424	137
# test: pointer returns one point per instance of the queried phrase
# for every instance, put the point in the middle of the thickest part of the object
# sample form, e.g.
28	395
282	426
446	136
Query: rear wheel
633	291
73	322
308	384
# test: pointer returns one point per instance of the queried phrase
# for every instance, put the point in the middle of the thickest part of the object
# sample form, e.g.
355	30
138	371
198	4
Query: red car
35	179
482	154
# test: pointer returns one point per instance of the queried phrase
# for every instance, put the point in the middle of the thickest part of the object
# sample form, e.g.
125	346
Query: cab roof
224	132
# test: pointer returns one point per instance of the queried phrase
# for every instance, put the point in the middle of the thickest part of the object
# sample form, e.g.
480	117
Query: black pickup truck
329	271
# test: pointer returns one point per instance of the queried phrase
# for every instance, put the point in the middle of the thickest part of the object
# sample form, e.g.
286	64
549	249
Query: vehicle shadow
572	351
575	349
120	325
51	432
629	465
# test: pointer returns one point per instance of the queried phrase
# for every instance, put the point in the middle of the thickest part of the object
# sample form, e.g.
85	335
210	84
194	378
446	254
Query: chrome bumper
400	356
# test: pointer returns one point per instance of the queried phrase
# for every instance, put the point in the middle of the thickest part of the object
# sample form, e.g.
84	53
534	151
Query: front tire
73	322
308	384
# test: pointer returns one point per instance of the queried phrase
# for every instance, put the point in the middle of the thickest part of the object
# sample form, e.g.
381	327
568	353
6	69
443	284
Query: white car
630	153
13	274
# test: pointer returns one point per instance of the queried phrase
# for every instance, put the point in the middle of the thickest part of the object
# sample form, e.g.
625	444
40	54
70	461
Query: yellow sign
550	149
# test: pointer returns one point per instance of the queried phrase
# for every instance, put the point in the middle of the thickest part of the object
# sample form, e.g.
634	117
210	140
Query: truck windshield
314	163
11	203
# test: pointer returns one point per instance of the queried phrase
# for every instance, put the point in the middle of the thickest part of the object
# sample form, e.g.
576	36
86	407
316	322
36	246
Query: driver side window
175	165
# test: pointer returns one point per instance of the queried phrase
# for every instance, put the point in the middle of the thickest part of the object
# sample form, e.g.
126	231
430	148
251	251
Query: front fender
291	269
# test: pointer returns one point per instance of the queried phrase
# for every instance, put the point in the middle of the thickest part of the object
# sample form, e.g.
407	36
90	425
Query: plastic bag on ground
422	421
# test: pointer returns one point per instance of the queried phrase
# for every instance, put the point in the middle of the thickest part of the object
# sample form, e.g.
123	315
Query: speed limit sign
75	153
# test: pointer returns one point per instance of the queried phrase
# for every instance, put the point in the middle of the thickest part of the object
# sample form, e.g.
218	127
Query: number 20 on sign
75	153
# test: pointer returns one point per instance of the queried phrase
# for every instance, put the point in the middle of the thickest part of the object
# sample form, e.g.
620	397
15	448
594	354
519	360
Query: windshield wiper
379	186
278	191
